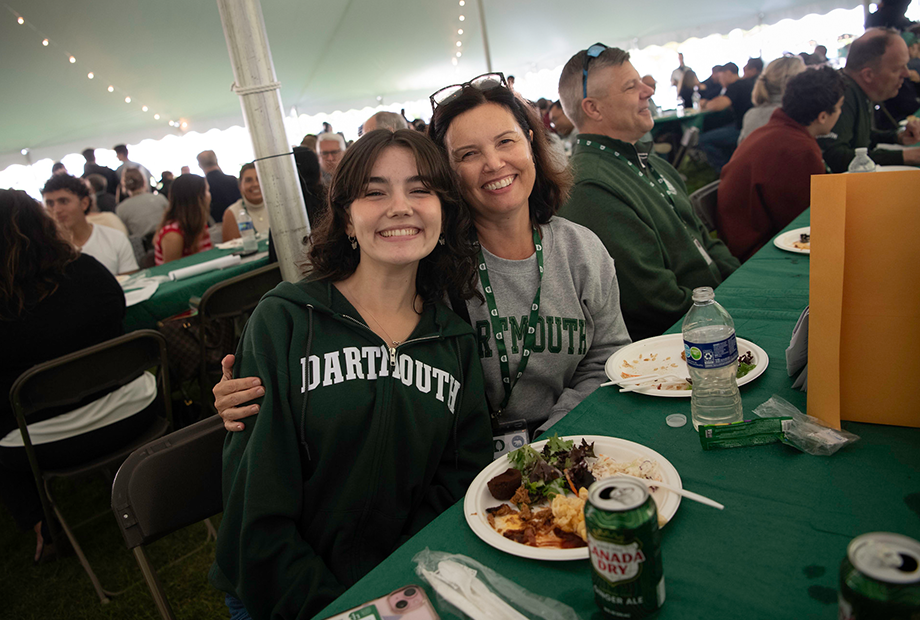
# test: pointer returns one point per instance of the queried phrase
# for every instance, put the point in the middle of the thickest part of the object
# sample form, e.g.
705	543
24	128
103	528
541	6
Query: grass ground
61	589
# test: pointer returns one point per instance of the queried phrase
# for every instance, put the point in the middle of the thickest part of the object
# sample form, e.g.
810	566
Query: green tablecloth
775	551
172	296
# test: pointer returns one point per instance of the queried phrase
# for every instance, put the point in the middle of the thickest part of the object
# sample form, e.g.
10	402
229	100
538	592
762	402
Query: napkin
137	295
797	353
218	263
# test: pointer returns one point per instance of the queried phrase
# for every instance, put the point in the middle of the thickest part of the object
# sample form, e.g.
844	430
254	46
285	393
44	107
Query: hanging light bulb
72	60
462	2
460	31
454	61
90	75
45	42
459	54
462	18
156	117
127	99
184	125
144	108
21	21
459	44
111	89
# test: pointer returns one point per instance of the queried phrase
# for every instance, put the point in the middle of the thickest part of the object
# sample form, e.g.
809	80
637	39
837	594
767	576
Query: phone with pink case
407	603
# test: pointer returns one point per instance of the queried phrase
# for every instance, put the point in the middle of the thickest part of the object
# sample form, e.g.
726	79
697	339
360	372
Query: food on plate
504	485
630	368
803	242
558	475
569	513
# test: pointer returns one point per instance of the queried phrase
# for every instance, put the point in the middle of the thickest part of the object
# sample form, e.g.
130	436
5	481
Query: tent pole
260	98
485	37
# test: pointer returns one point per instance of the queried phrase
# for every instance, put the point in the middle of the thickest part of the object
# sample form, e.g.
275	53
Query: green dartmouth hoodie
356	447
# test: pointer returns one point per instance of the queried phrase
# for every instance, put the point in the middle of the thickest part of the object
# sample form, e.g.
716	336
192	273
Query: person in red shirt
184	228
767	183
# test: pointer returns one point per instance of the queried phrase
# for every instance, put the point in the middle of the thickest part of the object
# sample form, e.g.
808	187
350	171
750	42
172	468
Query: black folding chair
73	380
705	203
221	307
166	485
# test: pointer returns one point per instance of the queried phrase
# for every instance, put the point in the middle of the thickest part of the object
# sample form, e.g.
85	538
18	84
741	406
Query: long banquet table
775	551
172	297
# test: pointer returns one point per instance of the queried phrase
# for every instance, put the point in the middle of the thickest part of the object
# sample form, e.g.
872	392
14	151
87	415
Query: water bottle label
244	226
711	354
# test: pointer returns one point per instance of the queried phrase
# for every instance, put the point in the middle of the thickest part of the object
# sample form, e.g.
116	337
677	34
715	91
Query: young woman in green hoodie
373	415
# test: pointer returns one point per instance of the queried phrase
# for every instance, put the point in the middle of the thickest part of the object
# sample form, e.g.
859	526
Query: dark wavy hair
72	184
186	207
552	184
450	268
32	254
811	92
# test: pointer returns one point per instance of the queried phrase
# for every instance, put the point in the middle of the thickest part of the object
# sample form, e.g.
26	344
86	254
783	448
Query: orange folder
864	297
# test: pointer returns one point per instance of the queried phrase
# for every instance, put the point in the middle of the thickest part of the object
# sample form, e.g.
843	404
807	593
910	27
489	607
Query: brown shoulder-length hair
450	268
32	254
552	184
187	208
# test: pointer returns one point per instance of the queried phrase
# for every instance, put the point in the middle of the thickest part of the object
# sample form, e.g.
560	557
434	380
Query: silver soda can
624	544
880	578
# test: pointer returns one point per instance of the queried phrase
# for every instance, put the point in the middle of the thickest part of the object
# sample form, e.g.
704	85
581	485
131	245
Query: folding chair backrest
170	483
240	294
705	202
74	379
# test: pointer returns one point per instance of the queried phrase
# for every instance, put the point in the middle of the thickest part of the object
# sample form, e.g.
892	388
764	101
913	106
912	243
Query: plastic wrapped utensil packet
467	587
807	433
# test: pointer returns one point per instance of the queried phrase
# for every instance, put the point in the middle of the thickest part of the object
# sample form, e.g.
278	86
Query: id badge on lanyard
510	436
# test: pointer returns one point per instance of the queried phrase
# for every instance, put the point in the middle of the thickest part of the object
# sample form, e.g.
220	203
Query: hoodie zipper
392	349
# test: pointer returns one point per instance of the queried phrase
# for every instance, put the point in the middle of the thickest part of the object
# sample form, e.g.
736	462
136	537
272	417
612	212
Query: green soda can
624	544
880	578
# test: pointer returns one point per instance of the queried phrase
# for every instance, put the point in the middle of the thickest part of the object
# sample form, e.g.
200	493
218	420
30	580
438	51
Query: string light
459	54
46	42
454	61
462	2
462	18
460	31
459	44
24	151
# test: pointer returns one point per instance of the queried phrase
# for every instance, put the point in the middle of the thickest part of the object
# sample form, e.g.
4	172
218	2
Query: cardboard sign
864	296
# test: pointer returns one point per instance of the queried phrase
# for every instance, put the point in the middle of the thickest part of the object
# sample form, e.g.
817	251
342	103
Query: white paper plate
785	240
662	354
478	497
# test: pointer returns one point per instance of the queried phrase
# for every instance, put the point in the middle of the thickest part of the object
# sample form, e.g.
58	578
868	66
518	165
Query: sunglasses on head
486	81
593	52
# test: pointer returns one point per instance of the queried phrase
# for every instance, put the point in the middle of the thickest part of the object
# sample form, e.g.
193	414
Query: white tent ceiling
170	55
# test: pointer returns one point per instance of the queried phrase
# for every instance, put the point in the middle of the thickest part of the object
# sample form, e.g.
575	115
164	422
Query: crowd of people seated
466	278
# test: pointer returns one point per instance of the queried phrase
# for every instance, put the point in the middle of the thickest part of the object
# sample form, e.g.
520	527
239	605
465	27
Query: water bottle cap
862	151
703	293
676	420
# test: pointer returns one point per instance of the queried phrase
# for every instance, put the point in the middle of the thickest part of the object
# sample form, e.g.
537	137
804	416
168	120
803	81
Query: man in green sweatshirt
876	67
637	204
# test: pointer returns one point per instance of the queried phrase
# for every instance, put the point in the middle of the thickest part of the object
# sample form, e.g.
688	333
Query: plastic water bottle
247	232
862	162
695	98
712	357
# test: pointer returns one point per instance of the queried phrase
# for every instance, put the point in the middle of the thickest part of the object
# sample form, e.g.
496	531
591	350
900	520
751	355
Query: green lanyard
529	338
654	174
657	187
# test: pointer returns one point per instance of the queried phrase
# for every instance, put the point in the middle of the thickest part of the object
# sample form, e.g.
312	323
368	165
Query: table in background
702	120
172	296
775	551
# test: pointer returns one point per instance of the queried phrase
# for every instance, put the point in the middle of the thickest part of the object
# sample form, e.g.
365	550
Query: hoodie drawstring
306	390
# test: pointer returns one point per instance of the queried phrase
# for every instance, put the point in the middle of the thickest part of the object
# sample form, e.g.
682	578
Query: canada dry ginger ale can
880	578
624	544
